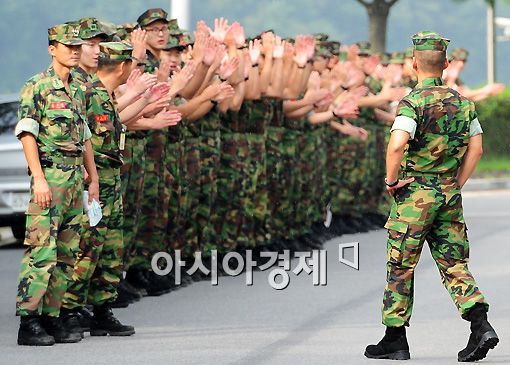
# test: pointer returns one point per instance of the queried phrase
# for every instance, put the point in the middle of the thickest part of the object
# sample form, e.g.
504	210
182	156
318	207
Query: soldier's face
158	34
173	57
90	52
68	56
320	63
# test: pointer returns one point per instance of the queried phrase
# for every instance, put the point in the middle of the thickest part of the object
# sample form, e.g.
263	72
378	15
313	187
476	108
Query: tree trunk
378	13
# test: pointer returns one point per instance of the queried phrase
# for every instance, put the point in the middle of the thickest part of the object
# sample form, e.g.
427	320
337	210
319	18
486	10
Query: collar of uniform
431	81
80	75
101	90
57	83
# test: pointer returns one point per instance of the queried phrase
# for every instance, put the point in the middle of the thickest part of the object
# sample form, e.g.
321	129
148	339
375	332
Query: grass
493	166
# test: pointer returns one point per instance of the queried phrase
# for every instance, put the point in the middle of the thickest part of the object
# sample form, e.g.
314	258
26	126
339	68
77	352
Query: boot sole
111	333
488	341
28	343
398	355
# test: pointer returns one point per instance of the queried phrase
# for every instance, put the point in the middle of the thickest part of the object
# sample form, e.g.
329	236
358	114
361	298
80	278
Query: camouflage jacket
443	120
53	115
103	120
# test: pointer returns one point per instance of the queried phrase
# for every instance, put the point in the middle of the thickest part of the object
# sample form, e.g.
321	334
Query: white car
14	179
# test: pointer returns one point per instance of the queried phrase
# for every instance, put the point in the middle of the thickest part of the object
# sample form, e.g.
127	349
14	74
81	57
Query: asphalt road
233	323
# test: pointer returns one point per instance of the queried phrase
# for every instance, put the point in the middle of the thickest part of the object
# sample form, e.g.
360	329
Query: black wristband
336	116
246	78
255	65
223	80
301	67
214	102
391	185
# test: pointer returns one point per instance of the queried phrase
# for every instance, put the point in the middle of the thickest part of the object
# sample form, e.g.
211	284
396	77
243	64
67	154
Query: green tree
378	12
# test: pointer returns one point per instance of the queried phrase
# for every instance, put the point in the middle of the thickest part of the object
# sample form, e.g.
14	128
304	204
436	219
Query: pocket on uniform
397	232
38	225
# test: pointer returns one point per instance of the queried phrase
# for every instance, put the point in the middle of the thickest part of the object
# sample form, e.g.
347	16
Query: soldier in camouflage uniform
146	159
428	204
98	268
56	142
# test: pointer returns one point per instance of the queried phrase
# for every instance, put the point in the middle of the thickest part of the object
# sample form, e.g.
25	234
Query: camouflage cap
120	51
385	59
322	51
185	39
151	15
68	34
397	58
459	54
333	47
321	37
174	27
430	41
91	27
364	48
174	42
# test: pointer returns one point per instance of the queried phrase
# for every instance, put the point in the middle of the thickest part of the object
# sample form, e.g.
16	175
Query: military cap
185	39
321	37
321	50
397	58
385	59
174	42
151	15
174	27
333	47
91	27
459	54
68	34
429	41
120	51
259	36
364	48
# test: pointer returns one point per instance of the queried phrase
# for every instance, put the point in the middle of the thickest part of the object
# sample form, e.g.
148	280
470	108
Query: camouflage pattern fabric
430	208
98	267
55	118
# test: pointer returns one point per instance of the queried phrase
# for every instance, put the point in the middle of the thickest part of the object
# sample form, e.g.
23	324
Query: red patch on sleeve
101	118
58	105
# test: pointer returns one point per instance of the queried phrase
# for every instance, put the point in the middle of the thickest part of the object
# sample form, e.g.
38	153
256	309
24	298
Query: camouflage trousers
209	166
132	177
144	239
98	267
52	236
430	208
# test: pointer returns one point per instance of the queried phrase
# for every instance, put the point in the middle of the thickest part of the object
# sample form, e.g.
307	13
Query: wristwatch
392	184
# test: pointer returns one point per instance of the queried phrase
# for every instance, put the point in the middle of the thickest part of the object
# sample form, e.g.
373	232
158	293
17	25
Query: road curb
486	184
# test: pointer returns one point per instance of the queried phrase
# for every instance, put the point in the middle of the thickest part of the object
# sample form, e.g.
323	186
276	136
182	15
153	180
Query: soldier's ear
51	50
446	64
415	64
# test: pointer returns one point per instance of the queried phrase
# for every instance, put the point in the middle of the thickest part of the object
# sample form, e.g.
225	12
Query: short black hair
109	65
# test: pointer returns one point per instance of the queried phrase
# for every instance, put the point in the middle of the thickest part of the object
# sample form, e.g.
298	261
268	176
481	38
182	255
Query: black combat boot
104	323
31	333
138	278
393	346
71	321
84	318
55	328
482	337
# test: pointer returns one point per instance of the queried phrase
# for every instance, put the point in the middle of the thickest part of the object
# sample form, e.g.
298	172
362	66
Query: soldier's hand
401	183
93	191
166	118
42	192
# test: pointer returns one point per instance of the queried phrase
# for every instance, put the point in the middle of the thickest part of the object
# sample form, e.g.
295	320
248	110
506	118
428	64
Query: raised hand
247	63
139	41
163	71
221	28
143	83
156	92
254	50
238	34
267	44
279	47
356	76
166	118
133	76
228	67
210	51
202	28
180	78
199	47
301	52
347	109
393	93
226	91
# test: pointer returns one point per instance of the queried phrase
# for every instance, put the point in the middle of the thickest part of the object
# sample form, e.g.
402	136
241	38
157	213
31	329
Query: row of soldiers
205	144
